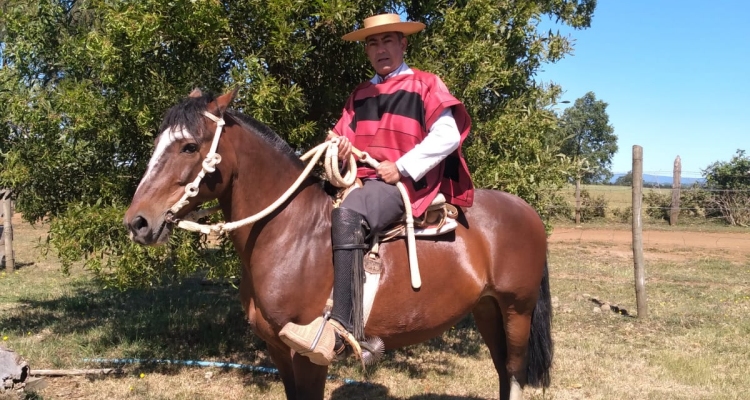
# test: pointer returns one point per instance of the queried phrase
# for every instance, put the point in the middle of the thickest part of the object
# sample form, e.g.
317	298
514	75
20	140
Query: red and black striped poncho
388	119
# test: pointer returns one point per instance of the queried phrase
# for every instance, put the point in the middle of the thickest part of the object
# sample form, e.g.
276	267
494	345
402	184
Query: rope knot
209	164
191	189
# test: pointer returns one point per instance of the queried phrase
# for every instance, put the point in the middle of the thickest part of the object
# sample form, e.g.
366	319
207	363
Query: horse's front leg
302	379
282	359
310	379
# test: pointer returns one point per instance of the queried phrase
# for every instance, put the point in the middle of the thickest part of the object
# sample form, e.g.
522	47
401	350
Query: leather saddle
439	218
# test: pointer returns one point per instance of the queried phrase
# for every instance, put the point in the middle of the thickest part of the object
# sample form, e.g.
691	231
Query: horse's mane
253	125
265	132
188	114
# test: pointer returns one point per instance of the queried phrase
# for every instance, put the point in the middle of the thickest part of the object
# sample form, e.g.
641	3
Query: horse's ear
196	93
223	101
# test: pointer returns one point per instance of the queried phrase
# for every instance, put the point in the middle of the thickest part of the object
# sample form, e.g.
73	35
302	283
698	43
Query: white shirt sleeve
441	140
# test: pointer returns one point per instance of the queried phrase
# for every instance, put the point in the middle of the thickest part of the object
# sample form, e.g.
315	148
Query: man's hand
345	147
388	172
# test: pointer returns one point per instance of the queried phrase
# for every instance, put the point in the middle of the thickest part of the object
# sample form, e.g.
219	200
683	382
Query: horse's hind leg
506	335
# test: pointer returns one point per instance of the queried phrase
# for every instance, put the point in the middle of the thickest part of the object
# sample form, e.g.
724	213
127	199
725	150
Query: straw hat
383	23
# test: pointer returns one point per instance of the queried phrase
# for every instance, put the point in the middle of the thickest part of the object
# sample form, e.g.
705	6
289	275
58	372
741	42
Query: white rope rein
332	174
209	165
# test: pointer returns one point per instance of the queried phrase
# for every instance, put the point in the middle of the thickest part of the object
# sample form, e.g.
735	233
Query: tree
83	85
729	185
625	180
589	142
590	137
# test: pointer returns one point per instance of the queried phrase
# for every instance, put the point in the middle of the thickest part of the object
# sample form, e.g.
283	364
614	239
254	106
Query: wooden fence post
10	263
578	201
640	269
676	177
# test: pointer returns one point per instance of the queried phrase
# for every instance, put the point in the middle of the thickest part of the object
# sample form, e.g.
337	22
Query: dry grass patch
692	345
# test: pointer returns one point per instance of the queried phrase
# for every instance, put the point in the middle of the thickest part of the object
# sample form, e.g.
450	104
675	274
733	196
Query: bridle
209	165
333	175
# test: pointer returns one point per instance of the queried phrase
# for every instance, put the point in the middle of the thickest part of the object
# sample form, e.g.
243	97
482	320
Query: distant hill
662	180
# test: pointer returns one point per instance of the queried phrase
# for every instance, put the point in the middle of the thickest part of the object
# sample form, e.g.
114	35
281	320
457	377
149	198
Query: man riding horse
408	120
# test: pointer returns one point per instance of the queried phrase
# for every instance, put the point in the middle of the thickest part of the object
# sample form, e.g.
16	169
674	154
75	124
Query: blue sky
676	76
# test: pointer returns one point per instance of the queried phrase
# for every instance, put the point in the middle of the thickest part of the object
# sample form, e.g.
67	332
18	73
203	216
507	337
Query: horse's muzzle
143	231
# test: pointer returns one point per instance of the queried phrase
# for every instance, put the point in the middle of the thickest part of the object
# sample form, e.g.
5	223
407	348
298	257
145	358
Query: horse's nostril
139	223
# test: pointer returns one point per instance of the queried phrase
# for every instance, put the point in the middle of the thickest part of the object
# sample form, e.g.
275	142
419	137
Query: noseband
208	166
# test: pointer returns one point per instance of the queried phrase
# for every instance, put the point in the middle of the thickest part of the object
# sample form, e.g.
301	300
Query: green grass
693	345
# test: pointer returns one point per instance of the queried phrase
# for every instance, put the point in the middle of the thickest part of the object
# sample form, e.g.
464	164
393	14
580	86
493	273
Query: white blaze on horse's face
163	142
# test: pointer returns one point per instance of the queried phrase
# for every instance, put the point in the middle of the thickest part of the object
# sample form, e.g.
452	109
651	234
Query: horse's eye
190	148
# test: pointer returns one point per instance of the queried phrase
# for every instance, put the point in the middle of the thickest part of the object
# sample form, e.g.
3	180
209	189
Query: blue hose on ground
192	363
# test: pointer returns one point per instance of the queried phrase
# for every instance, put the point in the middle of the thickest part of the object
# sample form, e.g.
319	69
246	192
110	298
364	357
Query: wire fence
699	201
663	175
660	177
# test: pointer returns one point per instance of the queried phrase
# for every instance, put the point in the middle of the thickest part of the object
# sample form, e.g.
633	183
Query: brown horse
493	265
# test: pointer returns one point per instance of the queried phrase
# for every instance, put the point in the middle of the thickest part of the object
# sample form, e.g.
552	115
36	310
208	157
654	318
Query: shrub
592	207
658	205
729	183
559	207
623	214
694	202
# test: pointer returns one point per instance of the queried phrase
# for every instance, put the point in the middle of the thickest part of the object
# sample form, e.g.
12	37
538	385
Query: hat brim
407	28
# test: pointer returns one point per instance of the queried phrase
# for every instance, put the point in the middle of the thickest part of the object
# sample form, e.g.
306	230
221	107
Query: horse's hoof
373	349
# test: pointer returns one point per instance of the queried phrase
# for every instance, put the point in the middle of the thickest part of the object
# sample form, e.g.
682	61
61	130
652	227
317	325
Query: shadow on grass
380	392
17	265
185	320
194	321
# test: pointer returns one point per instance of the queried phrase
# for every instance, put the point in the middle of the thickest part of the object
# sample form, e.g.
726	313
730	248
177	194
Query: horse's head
185	139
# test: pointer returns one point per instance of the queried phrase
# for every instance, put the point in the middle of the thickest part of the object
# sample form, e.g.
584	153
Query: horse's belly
414	332
401	316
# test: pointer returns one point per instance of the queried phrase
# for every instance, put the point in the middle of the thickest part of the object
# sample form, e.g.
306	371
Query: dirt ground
658	244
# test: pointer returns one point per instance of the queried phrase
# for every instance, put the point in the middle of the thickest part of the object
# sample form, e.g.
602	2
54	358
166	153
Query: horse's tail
540	338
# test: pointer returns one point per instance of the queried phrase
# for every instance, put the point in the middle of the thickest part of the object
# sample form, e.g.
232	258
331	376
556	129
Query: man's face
385	51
